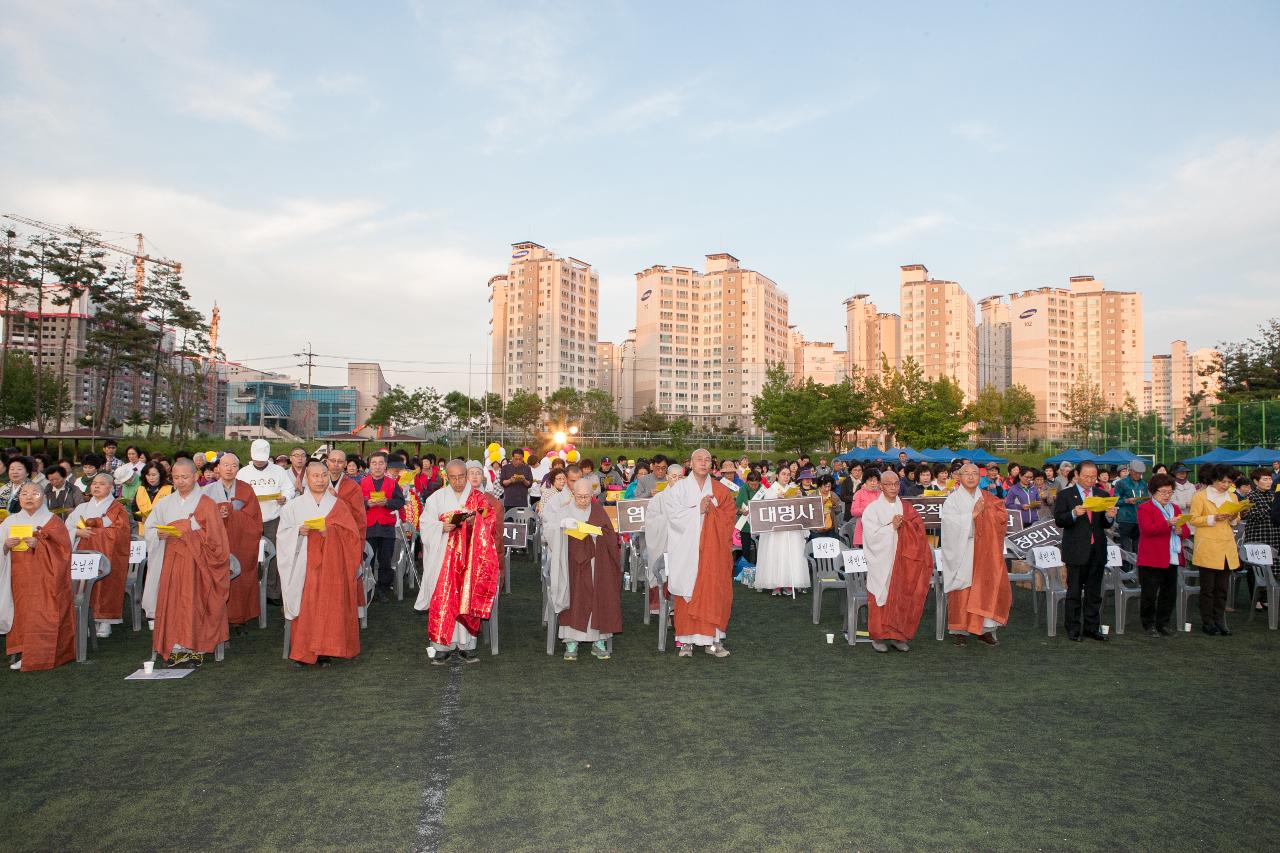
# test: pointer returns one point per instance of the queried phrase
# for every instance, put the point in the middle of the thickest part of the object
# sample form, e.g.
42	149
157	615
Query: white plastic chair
266	553
1046	560
1260	559
824	571
87	568
137	577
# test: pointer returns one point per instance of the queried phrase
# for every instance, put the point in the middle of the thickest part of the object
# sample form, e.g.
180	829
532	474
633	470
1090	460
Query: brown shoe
961	640
989	638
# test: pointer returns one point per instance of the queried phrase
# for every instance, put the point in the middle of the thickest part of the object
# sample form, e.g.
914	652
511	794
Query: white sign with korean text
84	567
775	516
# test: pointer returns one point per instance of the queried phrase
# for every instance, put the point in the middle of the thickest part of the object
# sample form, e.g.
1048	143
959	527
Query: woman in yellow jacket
1214	552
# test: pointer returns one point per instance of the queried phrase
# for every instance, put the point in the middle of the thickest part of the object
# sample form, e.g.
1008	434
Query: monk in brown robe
102	524
319	549
346	490
188	571
241	515
36	606
594	568
977	583
899	567
695	529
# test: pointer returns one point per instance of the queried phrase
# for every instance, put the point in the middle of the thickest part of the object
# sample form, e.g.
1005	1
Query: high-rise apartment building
705	340
870	334
1176	376
1062	335
615	373
544	324
938	328
816	360
366	377
995	344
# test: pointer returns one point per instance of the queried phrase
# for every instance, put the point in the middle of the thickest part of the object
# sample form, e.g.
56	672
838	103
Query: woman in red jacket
1159	555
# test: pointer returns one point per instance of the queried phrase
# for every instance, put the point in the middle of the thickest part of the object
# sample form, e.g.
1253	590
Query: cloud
251	99
900	231
979	133
779	121
646	110
339	83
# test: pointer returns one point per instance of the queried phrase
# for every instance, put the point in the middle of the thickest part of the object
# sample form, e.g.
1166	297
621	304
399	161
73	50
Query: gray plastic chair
939	597
135	581
1055	592
1261	562
268	552
1029	577
82	592
1186	589
846	532
824	573
1124	585
489	628
855	603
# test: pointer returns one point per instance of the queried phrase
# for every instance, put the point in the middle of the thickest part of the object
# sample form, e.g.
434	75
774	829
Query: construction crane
140	257
213	363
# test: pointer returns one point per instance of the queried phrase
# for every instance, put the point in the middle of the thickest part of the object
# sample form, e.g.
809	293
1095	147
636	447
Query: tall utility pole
310	356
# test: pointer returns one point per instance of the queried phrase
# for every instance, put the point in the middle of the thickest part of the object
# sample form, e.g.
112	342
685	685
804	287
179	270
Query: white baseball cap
260	450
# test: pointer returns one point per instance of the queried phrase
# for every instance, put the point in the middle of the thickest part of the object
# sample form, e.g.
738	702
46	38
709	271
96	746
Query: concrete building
1178	374
938	328
816	360
995	344
705	340
615	373
367	379
545	323
870	334
1062	335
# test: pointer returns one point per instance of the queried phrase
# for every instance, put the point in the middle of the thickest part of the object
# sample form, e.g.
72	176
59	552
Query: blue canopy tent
978	456
913	455
1256	456
1075	456
943	455
863	454
1115	457
1218	454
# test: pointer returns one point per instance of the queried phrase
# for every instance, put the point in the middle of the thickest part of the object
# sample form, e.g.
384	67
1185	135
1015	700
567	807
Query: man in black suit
1084	550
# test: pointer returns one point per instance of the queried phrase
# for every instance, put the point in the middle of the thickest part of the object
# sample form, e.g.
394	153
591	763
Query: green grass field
1138	744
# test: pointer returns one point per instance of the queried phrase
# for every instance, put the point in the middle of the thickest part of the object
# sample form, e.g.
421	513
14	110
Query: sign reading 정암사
515	534
631	515
775	516
1037	535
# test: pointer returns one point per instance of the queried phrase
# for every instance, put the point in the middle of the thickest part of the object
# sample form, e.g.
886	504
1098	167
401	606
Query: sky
349	176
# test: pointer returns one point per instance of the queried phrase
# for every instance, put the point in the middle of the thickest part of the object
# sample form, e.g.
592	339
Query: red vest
378	514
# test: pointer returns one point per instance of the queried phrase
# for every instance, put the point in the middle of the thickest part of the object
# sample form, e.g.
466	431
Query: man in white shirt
273	487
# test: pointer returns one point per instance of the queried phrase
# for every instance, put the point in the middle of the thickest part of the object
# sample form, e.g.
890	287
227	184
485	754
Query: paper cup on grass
1106	629
1186	626
831	638
148	666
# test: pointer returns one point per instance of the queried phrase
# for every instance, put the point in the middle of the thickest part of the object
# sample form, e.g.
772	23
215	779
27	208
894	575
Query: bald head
700	463
183	474
336	462
456	473
969	476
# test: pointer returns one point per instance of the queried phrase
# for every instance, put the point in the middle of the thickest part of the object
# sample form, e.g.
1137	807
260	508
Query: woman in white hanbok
780	562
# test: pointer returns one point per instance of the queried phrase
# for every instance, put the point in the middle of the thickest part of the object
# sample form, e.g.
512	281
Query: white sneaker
717	650
686	650
879	646
901	646
16	665
104	629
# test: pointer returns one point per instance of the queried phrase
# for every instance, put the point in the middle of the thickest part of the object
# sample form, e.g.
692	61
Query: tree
36	257
894	393
460	410
168	309
598	414
77	265
793	411
1249	369
681	428
1018	409
25	388
564	406
936	418
391	411
13	273
117	340
648	420
847	408
1084	405
986	412
523	411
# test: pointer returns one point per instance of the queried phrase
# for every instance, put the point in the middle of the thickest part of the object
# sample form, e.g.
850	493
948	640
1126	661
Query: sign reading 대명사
631	515
775	516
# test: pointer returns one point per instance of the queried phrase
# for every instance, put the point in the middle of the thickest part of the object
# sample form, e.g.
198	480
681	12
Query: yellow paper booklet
169	529
4	513
376	496
314	523
406	478
274	497
21	531
1235	506
934	493
589	529
660	487
80	523
575	533
1099	504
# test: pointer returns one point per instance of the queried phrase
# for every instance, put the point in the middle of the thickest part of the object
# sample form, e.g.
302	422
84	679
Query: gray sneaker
879	646
901	646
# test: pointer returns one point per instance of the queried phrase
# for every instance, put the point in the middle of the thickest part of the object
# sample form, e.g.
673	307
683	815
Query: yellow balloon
493	445
209	456
574	456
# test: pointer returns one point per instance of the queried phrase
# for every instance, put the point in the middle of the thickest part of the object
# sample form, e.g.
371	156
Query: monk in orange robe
695	530
977	583
36	607
103	525
899	567
319	550
346	490
188	571
241	515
